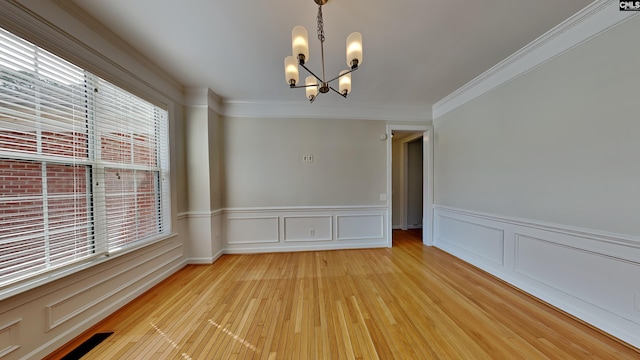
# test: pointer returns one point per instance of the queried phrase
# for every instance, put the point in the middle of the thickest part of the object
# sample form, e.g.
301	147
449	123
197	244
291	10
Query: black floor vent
86	346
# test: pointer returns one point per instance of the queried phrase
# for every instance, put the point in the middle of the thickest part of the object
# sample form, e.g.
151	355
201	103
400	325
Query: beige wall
197	158
558	144
264	167
215	160
180	160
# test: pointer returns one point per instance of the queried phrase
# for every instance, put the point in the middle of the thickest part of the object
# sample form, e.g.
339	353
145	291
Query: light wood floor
407	302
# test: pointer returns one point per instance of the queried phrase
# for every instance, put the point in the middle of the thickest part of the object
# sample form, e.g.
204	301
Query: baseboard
207	260
589	274
276	249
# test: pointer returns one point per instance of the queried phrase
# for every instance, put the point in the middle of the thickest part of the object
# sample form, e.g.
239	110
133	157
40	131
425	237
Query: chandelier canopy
314	83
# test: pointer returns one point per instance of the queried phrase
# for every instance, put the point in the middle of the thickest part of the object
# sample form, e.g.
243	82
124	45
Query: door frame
427	180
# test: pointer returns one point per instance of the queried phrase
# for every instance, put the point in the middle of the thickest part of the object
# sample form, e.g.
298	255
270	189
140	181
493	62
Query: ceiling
415	51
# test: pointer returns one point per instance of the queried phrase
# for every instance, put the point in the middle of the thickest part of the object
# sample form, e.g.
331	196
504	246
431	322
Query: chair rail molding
592	275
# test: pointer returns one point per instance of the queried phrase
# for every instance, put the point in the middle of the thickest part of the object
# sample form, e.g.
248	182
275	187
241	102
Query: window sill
33	283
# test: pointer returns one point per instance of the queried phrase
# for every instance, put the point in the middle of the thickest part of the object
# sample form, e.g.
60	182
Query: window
83	164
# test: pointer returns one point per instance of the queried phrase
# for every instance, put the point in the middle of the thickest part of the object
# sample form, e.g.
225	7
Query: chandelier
314	83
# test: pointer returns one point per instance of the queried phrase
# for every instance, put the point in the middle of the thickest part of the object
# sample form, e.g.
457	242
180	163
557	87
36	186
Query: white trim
52	322
36	282
302	109
202	214
360	235
13	337
303	208
262	240
598	235
95	317
593	20
564	266
206	214
427	180
205	260
324	246
126	68
498	230
287	239
343	238
203	97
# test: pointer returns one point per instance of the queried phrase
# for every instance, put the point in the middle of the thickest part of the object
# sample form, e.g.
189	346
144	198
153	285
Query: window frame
97	194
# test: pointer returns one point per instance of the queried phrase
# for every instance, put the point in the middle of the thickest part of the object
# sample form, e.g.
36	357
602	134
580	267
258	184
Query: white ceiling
415	51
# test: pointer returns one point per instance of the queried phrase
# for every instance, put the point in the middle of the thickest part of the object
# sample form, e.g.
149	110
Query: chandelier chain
320	24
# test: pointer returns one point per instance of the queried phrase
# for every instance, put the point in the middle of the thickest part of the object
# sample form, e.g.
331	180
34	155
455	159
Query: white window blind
83	164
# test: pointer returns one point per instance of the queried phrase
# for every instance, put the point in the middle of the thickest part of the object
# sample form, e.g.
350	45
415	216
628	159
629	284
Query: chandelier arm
341	75
303	86
311	72
338	92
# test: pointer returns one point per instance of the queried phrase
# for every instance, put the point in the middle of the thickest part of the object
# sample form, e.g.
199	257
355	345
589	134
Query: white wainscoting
307	228
204	240
251	230
592	275
93	293
40	320
9	337
359	227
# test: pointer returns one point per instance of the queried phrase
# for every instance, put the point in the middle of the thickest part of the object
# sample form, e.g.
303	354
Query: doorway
406	180
410	180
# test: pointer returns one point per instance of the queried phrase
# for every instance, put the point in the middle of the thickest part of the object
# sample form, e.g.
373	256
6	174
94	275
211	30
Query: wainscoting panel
9	338
250	230
205	236
307	228
577	272
100	290
472	237
360	227
589	274
40	320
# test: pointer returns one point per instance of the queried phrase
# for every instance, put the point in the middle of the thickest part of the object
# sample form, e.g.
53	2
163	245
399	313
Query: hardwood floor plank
406	302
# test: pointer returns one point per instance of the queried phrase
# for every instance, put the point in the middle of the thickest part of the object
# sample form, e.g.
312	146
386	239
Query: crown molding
302	109
595	19
203	97
92	23
68	31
